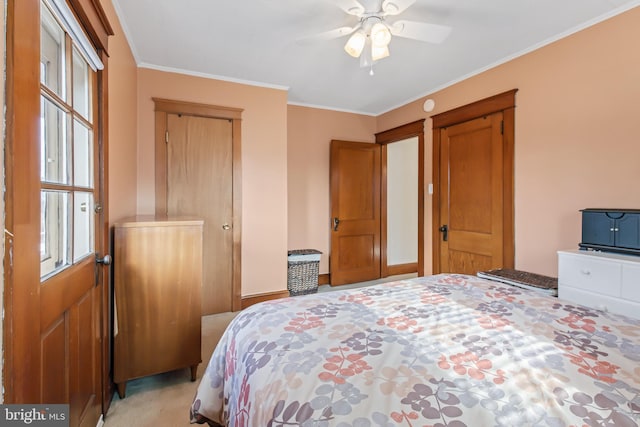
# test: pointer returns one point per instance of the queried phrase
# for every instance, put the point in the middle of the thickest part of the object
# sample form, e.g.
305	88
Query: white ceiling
270	43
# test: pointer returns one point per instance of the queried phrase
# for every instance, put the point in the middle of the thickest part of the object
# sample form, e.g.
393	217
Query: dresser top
158	221
603	255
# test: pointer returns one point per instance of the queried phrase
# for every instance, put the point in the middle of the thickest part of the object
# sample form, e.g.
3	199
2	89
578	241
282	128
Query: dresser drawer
599	302
630	282
590	274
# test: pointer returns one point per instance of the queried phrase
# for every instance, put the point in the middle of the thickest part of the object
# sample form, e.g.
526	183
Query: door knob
226	226
105	260
336	221
445	231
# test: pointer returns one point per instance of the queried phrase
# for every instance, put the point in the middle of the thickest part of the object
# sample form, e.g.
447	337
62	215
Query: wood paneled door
355	212
473	183
360	191
56	285
197	174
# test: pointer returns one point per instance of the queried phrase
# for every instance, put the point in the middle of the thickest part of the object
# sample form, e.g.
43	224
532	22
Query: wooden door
200	183
473	203
471	196
56	292
355	212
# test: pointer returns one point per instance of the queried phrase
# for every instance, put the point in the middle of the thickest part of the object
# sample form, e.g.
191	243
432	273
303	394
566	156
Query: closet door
471	208
198	173
355	212
473	186
199	183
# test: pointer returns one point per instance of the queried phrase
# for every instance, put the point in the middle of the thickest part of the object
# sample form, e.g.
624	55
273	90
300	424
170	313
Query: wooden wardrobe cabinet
157	283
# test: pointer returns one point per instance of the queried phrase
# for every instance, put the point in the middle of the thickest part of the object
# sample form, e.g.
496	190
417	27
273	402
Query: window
67	82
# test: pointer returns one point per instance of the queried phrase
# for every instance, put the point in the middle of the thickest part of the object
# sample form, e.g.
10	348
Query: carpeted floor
164	400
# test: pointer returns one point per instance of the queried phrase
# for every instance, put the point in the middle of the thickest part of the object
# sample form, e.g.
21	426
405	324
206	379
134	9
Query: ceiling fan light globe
379	52
380	35
355	44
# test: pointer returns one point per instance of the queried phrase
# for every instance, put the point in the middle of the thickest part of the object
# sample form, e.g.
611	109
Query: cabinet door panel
628	231
597	229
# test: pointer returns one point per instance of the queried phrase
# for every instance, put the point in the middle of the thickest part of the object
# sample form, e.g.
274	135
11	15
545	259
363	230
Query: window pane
82	156
52	47
54	150
54	233
82	225
81	100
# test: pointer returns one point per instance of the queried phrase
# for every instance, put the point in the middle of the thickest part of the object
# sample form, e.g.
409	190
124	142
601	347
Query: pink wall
577	133
264	153
122	122
576	145
264	165
309	134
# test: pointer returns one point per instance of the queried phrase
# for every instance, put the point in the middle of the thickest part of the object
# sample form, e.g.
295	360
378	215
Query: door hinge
166	137
502	127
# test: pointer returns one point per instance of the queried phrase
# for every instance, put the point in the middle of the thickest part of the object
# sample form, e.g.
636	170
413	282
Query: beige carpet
164	400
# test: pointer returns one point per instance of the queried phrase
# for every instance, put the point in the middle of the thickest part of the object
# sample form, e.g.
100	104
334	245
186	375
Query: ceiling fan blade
421	31
329	35
395	7
333	34
352	7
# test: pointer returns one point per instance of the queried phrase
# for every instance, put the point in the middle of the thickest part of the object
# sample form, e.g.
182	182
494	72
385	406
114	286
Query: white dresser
602	280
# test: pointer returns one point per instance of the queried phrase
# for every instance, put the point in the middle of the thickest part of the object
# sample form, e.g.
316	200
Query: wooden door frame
400	133
21	328
506	103
163	107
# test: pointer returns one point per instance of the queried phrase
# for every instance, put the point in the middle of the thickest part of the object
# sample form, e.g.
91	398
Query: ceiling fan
370	37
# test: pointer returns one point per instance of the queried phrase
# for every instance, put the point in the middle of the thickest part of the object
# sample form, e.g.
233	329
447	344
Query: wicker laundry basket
302	272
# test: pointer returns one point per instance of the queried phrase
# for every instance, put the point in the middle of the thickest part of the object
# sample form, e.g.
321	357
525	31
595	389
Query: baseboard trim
395	270
249	300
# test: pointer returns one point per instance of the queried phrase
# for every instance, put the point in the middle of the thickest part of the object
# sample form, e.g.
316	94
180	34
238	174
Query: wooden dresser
157	284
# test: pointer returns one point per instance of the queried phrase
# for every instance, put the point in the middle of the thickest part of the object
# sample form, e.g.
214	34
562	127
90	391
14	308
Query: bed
443	350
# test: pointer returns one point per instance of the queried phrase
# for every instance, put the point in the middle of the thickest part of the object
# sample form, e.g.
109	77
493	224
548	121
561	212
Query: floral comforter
444	350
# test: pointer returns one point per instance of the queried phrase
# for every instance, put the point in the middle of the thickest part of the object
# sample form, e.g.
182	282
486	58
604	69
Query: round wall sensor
429	105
